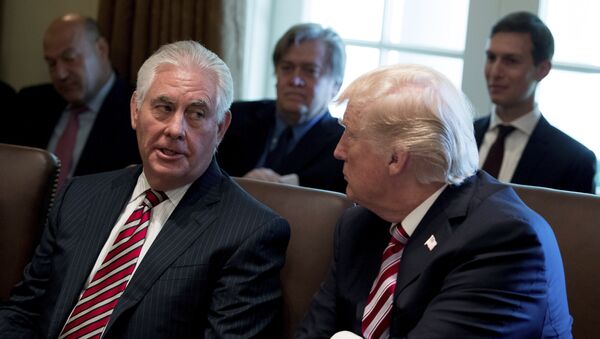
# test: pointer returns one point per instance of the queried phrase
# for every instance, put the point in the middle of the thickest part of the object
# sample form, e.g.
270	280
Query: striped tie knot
153	198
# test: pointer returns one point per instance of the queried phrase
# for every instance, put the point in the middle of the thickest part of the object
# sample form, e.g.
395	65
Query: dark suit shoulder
562	141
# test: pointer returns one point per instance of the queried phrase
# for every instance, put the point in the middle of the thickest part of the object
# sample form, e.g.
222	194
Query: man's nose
176	126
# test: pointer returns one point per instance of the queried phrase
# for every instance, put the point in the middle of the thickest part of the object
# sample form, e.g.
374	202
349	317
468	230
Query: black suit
312	158
496	271
111	143
213	270
551	159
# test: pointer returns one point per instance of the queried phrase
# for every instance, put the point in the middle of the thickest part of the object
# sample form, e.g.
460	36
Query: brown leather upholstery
28	182
575	219
312	215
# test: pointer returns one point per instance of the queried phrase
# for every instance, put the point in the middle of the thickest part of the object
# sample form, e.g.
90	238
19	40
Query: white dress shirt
158	218
514	144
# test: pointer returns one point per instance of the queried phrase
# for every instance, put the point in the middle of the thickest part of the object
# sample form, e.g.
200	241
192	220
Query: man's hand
267	174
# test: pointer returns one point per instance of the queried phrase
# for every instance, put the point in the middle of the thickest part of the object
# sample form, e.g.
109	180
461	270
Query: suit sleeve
246	300
582	174
320	321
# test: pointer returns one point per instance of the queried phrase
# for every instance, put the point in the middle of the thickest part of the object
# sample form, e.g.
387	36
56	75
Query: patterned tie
66	144
493	161
97	302
376	318
275	157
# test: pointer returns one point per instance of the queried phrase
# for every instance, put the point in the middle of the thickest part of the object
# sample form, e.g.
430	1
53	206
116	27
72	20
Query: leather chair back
312	215
575	219
28	183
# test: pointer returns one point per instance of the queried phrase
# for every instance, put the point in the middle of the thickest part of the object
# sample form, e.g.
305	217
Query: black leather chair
28	183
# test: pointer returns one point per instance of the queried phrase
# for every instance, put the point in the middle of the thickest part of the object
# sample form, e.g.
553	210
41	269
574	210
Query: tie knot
399	235
154	198
504	131
76	110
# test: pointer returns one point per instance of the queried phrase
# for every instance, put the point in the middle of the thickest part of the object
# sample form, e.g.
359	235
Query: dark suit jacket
112	142
551	159
213	270
496	271
312	158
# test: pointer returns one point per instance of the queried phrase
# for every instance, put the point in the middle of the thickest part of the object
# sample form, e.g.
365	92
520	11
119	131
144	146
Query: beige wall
22	26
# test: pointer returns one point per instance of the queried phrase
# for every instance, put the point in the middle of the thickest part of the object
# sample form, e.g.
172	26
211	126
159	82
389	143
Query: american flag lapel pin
431	243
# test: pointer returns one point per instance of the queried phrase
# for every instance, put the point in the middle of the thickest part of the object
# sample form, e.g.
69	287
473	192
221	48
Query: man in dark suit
435	248
85	97
519	55
170	249
292	139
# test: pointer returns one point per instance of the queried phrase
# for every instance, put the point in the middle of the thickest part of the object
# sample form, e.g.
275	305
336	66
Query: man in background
83	116
291	139
170	249
516	143
434	248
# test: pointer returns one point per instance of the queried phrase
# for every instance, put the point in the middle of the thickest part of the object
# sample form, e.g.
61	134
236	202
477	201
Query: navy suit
111	144
496	271
213	270
551	159
312	158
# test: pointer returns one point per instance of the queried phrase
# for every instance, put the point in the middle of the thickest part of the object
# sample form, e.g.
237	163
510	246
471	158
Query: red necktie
376	317
96	304
66	144
493	161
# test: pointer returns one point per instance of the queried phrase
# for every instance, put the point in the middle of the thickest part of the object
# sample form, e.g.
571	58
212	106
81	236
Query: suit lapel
192	216
452	205
481	126
534	153
309	146
104	210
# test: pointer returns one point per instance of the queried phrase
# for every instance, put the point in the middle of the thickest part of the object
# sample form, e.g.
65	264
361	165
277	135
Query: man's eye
164	108
312	71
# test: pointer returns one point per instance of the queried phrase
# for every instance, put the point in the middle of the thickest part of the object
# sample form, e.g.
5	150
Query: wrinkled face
176	126
304	84
78	66
510	72
365	166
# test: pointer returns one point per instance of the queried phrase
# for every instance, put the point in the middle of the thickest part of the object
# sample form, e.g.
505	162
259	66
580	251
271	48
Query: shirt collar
174	195
412	220
298	130
525	124
95	103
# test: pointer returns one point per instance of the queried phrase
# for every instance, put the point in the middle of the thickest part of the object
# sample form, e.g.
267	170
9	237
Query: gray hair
417	109
185	54
336	49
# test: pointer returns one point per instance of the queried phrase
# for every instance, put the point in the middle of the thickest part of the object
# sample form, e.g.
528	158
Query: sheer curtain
136	28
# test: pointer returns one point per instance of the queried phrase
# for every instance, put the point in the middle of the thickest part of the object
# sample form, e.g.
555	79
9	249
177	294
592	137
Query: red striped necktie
98	301
66	144
376	317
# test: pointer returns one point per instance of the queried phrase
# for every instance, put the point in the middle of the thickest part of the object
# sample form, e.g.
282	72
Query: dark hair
525	22
336	53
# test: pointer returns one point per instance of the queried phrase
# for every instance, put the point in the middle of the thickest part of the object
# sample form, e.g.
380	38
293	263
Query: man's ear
102	46
133	111
542	69
398	159
223	126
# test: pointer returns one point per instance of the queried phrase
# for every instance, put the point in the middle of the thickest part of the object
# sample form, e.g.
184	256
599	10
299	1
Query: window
383	32
566	96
